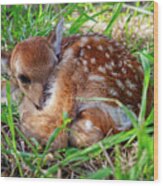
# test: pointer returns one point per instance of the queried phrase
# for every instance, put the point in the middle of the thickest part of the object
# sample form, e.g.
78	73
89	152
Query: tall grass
127	155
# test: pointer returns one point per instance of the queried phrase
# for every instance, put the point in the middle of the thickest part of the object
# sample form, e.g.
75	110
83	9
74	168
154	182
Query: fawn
53	71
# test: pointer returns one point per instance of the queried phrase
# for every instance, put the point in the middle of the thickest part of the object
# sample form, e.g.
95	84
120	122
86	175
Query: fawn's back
103	68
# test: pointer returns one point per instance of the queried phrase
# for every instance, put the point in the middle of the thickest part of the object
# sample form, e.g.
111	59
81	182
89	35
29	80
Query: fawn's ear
55	37
5	62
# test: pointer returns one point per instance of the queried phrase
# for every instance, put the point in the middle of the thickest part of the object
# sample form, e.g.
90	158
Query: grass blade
113	19
12	128
10	118
146	67
94	150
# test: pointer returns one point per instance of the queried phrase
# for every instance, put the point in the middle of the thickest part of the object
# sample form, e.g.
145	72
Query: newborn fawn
53	72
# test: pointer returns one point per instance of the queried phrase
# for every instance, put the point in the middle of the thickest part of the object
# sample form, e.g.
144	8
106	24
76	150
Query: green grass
127	155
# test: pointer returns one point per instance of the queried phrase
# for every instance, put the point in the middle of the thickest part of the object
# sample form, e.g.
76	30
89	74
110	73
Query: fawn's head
31	62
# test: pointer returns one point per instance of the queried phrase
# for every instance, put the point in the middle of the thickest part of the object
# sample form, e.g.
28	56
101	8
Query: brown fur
90	66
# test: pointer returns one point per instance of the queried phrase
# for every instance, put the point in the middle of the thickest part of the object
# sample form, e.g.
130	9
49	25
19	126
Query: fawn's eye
24	79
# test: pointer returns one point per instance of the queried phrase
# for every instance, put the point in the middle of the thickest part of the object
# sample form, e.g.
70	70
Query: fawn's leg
40	125
92	124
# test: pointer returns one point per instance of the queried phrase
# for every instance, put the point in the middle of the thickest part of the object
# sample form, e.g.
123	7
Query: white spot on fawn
112	92
120	64
88	125
110	48
108	66
130	85
114	74
112	63
85	62
120	84
96	78
100	47
93	60
130	65
107	55
101	69
86	69
89	47
124	70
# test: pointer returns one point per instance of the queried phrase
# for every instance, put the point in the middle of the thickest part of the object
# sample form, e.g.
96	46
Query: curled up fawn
53	72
